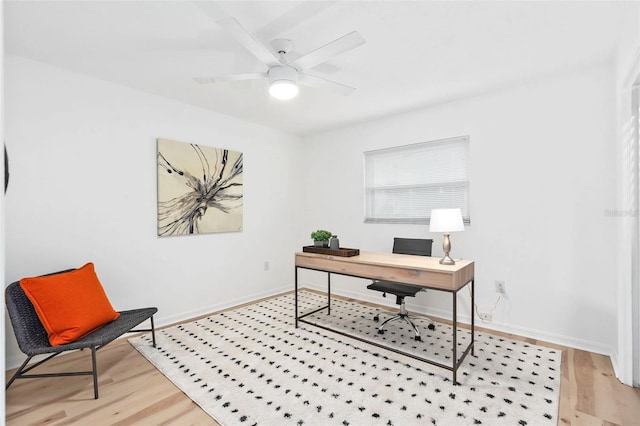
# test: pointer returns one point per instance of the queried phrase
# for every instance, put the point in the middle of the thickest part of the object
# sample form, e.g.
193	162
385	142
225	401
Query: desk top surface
420	270
395	260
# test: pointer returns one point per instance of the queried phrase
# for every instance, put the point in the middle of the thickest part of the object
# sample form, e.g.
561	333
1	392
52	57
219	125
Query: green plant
321	235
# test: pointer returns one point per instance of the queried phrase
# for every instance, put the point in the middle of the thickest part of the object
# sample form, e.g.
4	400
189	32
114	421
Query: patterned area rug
251	366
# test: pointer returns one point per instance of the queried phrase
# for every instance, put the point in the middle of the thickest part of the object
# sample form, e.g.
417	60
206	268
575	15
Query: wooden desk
418	270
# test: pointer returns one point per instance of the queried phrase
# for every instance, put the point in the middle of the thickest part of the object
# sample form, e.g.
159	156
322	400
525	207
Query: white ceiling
417	53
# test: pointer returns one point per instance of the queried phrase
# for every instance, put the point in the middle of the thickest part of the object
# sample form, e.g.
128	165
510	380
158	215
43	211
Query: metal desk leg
455	335
473	335
296	293
328	293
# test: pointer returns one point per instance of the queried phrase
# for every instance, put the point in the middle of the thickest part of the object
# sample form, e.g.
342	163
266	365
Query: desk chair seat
413	246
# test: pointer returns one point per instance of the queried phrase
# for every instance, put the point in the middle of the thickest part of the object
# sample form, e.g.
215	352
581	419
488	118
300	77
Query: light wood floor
132	391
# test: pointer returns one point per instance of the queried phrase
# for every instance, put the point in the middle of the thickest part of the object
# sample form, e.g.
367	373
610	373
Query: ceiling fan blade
321	54
248	40
232	77
323	83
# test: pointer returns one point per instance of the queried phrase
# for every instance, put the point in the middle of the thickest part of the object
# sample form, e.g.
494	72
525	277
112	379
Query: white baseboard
185	316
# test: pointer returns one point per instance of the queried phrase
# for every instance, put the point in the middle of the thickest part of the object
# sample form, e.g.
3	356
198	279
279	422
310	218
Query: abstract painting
199	189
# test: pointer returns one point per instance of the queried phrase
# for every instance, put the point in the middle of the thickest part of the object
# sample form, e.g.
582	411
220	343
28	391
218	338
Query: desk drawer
444	280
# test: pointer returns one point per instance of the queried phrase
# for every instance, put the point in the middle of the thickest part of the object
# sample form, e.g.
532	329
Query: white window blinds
403	184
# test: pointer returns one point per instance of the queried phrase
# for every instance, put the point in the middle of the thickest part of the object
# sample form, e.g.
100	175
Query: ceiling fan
284	75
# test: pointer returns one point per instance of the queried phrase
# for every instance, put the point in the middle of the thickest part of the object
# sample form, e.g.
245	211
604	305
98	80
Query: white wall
542	176
83	188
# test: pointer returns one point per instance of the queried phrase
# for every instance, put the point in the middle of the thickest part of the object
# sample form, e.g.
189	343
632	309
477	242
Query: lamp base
446	248
446	260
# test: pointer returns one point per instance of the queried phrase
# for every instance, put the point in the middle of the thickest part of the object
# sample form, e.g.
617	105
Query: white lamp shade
446	220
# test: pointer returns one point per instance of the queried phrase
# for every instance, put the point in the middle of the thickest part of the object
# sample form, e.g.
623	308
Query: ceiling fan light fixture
283	82
283	89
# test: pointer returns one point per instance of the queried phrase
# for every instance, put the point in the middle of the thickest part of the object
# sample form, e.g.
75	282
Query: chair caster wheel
376	318
431	327
380	331
418	339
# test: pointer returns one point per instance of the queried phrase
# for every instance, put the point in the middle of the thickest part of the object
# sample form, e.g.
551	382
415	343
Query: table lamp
446	221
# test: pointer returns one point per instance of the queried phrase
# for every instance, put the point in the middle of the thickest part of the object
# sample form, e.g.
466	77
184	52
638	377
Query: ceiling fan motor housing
285	73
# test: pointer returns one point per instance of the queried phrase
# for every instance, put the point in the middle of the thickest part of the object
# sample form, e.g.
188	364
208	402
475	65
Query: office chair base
431	326
406	318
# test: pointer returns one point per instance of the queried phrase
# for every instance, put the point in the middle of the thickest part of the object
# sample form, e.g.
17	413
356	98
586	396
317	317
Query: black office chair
414	246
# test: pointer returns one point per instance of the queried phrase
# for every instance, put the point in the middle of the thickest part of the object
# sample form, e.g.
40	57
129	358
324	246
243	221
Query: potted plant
321	238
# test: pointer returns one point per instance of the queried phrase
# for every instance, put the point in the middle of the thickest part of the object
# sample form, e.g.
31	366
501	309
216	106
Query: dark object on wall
33	339
6	169
416	247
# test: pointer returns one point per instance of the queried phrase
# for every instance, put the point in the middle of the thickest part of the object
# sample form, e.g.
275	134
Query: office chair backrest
415	246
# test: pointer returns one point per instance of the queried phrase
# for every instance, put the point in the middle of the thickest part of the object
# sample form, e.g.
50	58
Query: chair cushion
398	289
69	304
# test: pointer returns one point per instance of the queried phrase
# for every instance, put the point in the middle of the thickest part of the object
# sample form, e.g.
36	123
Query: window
403	184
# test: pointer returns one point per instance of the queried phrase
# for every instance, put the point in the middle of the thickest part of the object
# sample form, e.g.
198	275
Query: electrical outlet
485	317
266	265
500	287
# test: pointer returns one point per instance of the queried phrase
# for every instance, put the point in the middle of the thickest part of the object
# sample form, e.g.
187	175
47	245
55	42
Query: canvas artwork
199	189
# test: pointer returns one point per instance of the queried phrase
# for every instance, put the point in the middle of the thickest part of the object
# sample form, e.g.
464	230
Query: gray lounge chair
33	339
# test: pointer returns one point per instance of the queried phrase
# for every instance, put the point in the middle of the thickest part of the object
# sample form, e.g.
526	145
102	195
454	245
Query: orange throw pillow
70	304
